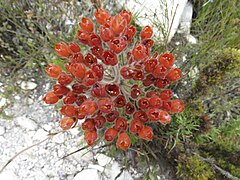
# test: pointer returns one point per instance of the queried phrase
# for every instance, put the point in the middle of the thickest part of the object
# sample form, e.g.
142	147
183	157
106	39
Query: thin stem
171	26
27	148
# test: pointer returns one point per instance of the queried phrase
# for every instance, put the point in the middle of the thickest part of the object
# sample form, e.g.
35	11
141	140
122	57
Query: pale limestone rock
26	123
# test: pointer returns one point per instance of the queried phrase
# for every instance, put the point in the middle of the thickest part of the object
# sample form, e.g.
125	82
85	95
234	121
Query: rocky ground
32	123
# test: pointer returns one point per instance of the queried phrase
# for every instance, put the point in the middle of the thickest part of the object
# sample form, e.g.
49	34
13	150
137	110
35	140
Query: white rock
3	102
8	174
84	155
191	39
186	19
165	13
74	131
125	175
40	134
2	130
2	139
59	138
88	174
114	170
28	85
102	159
26	123
17	97
97	167
47	127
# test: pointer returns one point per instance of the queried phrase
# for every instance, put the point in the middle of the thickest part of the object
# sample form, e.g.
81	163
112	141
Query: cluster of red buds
116	85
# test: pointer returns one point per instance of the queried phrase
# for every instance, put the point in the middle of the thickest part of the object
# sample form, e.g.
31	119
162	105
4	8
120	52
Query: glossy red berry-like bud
166	106
78	88
76	58
129	108
99	121
126	72
61	49
127	15
64	78
88	125
69	98
123	141
150	65
112	116
80	99
106	33
166	60
129	33
146	32
149	80
165	118
97	51
105	105
121	124
112	89
146	133
50	98
90	137
139	52
155	102
166	94
98	70
90	78
118	24
94	40
138	75
53	70
148	43
143	103
68	66
110	134
98	90
118	44
78	70
161	82
86	24
119	102
174	74
73	47
68	111
177	106
83	37
141	116
136	126
66	123
89	60
160	71
88	108
109	58
135	92
153	114
79	115
151	93
60	90
102	16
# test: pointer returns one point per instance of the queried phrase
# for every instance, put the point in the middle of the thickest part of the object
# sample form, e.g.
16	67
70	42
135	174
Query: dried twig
27	148
222	171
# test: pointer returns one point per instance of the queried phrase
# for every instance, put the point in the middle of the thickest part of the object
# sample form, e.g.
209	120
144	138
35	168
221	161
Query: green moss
233	169
223	145
225	63
193	168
